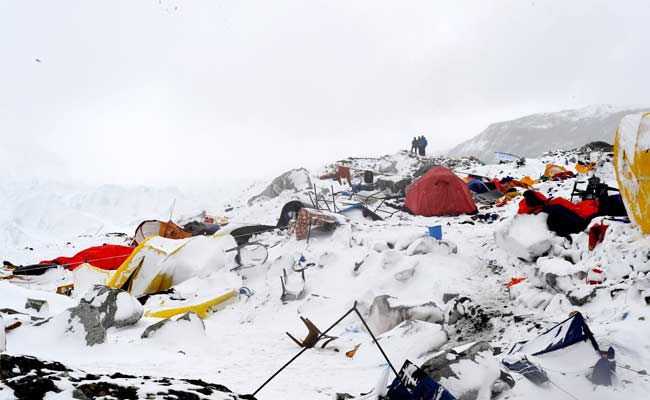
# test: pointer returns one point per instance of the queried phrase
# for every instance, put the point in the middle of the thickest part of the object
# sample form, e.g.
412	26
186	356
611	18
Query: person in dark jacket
414	145
422	145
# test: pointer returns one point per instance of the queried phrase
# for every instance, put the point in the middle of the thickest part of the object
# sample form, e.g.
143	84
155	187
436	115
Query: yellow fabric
527	180
632	162
512	195
552	169
200	309
583	169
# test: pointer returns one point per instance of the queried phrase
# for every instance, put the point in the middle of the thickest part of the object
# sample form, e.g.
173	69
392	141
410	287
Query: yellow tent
632	162
159	263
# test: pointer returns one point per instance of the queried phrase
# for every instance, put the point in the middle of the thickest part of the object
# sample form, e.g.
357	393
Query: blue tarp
414	384
477	186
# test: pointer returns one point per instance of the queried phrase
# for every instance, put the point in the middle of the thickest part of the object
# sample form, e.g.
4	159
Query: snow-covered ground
245	342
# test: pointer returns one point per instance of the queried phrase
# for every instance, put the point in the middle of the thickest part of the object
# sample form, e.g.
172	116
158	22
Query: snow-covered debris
386	313
81	323
116	307
524	236
469	372
187	327
294	180
3	339
28	378
429	245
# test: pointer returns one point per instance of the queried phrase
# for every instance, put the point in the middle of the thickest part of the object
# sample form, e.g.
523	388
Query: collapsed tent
568	332
159	263
568	343
564	217
152	227
359	212
196	228
106	257
632	163
553	169
439	192
412	383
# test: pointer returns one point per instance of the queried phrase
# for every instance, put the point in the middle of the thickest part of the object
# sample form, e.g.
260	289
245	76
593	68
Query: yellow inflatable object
632	162
169	308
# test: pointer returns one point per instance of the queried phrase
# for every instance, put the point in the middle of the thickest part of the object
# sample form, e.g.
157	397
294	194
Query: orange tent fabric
107	257
439	192
527	180
552	169
583	169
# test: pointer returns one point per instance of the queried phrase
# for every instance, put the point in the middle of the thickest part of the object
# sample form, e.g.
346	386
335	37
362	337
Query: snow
243	341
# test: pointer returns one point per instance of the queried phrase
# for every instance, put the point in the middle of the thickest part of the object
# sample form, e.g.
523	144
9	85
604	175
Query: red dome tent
439	192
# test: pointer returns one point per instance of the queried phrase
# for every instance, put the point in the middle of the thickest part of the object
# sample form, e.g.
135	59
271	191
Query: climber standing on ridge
414	145
422	145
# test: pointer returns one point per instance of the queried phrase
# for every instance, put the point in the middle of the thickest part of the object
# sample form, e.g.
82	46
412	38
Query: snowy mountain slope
534	134
360	261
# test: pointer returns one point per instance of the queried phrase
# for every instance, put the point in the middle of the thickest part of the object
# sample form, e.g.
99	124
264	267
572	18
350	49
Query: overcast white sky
148	91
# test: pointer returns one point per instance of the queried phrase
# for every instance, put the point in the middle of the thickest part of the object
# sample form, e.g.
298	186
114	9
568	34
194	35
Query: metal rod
375	340
307	348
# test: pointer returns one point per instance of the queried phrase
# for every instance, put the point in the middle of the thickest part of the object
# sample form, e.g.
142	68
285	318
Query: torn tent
632	163
197	228
412	383
159	263
289	212
564	217
571	331
477	186
360	212
151	228
106	257
439	192
569	345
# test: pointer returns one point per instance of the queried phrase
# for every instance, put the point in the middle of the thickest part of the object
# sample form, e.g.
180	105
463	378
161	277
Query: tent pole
306	348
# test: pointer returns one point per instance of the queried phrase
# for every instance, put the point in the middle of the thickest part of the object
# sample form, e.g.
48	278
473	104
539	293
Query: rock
448	296
467	316
524	236
384	316
37	305
429	245
296	179
82	320
32	379
393	186
581	295
187	326
468	372
116	307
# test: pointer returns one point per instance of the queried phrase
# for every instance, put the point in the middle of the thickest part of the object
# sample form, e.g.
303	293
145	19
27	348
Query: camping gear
477	186
359	210
289	212
153	227
435	232
564	217
552	169
201	228
243	234
412	383
343	172
107	257
308	218
515	281
159	263
632	163
439	192
293	289
567	333
314	335
166	305
597	234
368	177
595	276
583	168
602	373
526	368
250	255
